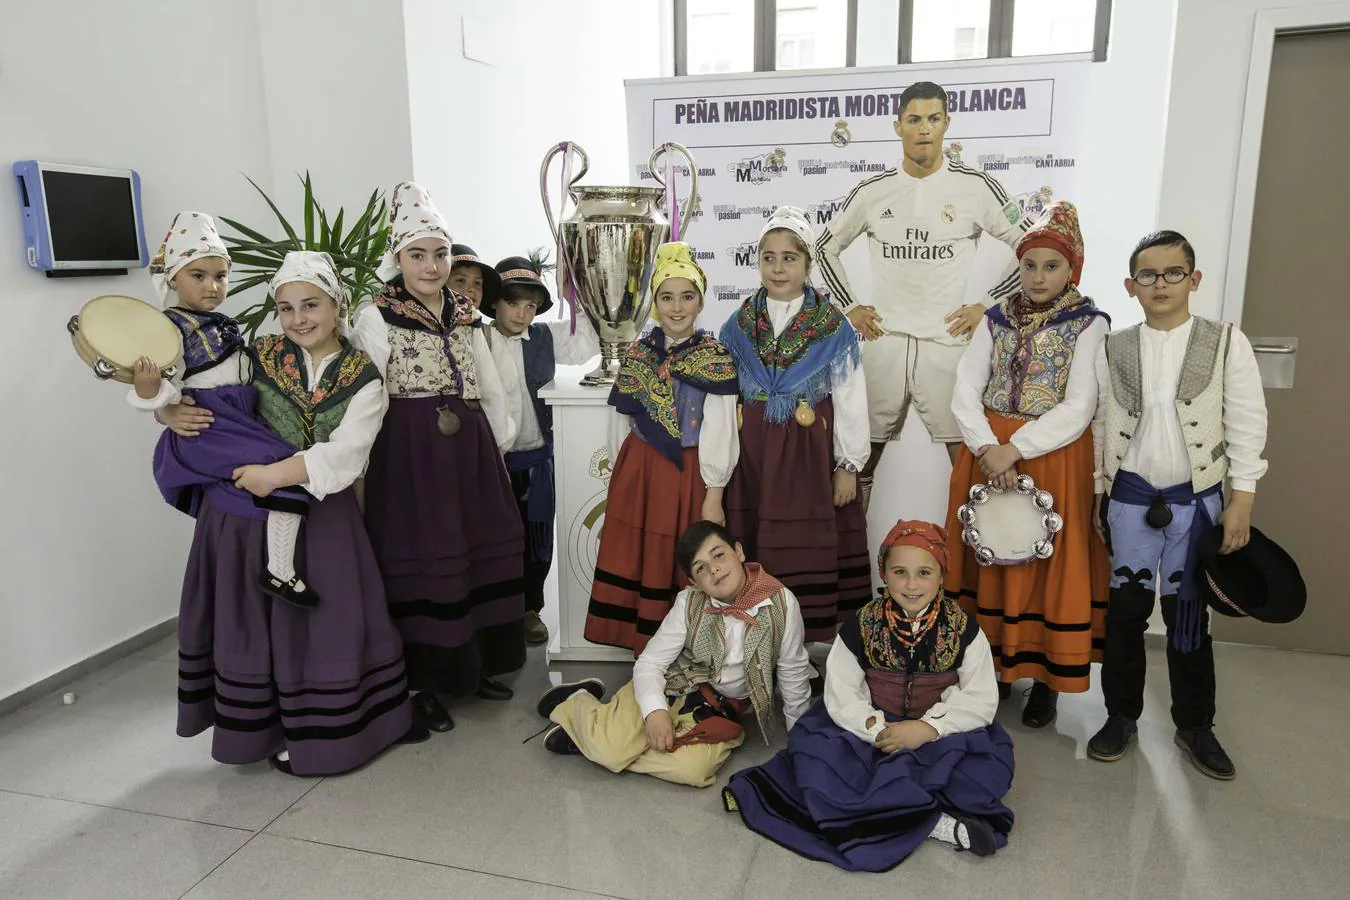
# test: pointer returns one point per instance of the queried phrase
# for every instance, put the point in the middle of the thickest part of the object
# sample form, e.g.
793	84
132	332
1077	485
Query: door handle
1274	348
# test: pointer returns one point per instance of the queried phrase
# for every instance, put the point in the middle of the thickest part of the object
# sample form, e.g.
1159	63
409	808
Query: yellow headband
676	260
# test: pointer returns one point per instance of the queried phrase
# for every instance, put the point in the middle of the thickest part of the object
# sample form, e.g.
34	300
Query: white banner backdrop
808	139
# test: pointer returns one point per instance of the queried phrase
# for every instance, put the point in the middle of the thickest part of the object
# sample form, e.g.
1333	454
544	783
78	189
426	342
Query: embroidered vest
705	649
1030	385
209	338
303	417
540	367
419	367
908	683
1199	401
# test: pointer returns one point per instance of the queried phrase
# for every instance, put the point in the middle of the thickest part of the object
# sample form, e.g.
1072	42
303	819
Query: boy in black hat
527	353
472	277
1180	410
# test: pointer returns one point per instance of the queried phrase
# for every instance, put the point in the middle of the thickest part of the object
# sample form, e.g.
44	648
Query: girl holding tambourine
1026	393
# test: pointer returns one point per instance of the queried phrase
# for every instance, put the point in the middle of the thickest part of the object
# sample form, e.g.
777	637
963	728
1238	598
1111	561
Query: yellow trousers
614	735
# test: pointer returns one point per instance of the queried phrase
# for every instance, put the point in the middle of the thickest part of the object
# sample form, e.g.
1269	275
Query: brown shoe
536	632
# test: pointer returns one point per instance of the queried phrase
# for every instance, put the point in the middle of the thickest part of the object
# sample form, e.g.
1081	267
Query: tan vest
1199	401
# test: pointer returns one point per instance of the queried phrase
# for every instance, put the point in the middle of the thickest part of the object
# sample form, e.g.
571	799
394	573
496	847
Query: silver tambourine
1008	528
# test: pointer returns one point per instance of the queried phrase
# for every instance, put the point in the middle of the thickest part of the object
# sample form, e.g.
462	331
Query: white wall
89	554
1204	127
541	73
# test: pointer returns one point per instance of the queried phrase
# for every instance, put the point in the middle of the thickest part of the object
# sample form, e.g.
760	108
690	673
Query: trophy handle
692	203
553	151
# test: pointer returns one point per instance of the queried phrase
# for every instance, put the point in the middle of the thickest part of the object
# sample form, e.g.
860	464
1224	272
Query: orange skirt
650	504
1044	619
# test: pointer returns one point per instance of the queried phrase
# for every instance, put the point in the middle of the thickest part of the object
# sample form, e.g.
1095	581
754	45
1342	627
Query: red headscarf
914	533
1057	229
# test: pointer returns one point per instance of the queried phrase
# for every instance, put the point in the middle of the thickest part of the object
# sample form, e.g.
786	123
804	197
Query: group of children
734	531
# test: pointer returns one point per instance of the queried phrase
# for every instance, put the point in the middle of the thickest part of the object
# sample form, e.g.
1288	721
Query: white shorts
901	369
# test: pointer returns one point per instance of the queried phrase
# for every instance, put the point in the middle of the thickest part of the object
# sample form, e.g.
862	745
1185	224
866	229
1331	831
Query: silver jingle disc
1054	522
447	421
984	556
971	537
1025	484
1043	549
1045	501
965	515
979	493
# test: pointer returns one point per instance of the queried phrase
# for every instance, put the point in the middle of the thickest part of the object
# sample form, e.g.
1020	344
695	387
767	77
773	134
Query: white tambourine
1008	528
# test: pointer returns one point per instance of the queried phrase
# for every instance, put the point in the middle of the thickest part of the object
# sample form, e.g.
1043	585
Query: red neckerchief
759	586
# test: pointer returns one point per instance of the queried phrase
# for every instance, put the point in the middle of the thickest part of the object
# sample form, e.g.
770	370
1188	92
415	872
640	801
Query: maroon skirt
450	544
780	504
327	684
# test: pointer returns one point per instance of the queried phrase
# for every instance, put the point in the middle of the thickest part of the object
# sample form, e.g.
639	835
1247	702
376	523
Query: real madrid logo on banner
840	136
949	213
953	151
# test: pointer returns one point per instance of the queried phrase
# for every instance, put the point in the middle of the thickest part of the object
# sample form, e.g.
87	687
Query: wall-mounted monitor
81	220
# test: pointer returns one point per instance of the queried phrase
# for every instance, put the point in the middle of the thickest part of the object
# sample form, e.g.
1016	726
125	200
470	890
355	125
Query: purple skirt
188	469
328	685
450	544
833	798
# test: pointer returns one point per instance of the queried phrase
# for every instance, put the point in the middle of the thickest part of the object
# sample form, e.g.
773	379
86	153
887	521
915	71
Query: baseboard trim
125	648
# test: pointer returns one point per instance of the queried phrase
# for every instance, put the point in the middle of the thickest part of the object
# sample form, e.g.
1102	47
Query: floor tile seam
444	865
115	808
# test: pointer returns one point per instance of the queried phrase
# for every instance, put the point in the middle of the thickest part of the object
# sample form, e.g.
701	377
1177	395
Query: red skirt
780	504
1044	619
650	503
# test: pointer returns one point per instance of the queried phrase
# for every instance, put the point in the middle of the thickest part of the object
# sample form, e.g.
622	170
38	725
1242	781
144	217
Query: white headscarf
192	236
794	220
312	267
412	216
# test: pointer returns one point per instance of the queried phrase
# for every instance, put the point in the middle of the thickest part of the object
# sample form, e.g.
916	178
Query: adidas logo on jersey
888	214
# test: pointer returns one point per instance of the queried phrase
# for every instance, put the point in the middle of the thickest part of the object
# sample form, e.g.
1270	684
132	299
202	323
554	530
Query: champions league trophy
607	247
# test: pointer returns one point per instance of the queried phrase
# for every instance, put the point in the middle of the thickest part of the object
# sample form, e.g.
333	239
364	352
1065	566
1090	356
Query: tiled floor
100	800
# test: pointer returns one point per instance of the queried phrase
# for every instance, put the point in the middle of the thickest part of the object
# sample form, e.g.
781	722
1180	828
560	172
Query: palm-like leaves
356	252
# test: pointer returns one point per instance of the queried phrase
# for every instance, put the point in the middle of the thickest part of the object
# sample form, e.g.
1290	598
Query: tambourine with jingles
1009	527
112	332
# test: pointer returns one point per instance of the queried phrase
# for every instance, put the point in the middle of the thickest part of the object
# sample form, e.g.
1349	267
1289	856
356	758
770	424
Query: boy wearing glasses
1180	409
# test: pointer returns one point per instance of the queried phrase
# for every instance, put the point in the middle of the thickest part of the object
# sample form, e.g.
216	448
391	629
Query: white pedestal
582	465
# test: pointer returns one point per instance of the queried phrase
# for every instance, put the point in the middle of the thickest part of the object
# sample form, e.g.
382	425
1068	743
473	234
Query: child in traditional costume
439	506
322	691
1182	411
527	353
472	278
1026	393
904	746
804	432
674	444
193	265
729	643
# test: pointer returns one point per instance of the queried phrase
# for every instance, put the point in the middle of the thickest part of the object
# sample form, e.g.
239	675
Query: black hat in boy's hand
463	254
526	270
1261	580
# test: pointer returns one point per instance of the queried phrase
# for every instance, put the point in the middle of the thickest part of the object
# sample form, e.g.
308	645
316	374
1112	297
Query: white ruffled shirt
508	352
371	334
237	368
852	431
719	440
1059	427
968	705
793	671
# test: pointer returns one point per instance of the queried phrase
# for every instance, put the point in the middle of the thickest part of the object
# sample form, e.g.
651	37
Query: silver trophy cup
606	251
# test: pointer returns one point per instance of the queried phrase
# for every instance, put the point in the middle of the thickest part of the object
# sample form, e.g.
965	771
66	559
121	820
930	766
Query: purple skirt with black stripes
831	797
328	685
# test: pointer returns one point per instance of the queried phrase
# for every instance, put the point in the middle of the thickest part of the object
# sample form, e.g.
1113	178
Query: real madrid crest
840	137
949	213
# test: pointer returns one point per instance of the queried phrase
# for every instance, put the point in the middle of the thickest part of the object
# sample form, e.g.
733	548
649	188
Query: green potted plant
356	251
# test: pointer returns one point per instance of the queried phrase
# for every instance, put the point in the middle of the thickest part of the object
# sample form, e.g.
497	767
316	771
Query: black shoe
430	713
301	598
1205	753
555	696
978	837
281	765
416	734
1110	743
1040	709
557	740
488	689
1004	690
